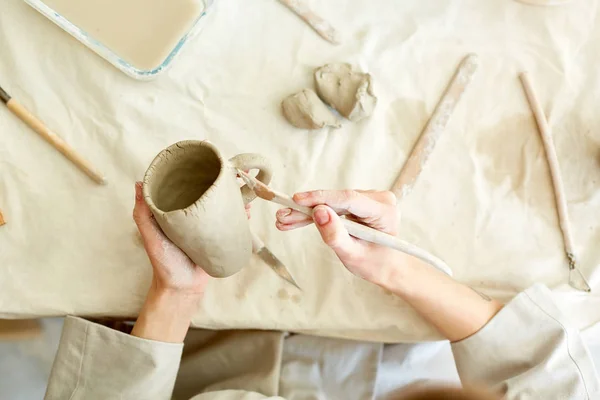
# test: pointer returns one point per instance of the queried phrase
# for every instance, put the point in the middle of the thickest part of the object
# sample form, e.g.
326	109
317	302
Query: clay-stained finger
290	227
343	200
289	216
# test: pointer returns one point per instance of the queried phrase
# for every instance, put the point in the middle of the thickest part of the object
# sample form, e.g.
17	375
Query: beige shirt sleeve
529	351
96	362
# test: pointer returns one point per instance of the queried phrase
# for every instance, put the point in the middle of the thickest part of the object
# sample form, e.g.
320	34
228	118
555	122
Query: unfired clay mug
196	199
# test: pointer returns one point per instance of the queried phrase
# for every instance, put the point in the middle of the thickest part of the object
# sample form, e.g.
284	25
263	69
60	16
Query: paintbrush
51	137
354	228
269	258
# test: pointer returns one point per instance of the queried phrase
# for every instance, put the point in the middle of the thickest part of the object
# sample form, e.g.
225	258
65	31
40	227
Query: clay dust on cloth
484	202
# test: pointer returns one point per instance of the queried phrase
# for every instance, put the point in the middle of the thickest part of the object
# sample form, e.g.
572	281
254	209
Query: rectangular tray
108	54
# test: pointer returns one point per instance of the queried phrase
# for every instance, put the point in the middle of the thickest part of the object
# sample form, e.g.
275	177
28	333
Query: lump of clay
349	92
306	110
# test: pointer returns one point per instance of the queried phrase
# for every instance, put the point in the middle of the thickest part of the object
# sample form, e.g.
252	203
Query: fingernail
321	216
302	195
284	212
138	190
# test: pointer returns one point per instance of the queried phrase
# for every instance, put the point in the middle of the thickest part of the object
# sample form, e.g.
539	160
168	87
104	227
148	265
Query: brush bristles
5	97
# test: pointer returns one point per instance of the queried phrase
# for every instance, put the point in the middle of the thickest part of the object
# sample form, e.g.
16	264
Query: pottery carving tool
354	228
322	27
436	125
576	278
259	248
51	137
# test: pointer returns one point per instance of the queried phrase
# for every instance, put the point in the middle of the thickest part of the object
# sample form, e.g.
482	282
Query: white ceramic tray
108	54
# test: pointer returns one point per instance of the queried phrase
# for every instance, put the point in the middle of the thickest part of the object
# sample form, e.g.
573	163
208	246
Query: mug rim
159	159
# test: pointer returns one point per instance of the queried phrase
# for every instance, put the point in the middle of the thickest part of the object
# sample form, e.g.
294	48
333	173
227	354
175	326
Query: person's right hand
456	310
369	261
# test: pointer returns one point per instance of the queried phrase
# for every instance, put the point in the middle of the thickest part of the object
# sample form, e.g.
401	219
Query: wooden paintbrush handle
52	138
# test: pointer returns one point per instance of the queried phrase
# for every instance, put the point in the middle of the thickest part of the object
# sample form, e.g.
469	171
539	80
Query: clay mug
196	199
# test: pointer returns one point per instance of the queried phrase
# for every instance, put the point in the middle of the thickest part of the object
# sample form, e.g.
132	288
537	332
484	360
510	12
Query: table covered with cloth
484	202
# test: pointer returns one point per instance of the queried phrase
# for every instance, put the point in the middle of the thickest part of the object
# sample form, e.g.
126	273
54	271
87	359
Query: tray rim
108	54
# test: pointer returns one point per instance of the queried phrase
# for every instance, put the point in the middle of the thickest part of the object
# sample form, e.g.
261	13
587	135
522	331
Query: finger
142	215
343	200
382	196
291	227
289	216
333	232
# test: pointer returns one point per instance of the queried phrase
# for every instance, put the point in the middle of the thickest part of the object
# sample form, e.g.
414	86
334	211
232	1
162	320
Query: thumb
333	232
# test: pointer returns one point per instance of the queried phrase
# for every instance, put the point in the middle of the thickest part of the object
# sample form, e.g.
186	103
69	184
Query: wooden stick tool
576	278
51	137
437	123
354	228
322	27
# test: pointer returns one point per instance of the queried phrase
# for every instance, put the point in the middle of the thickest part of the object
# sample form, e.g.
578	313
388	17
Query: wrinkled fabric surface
484	202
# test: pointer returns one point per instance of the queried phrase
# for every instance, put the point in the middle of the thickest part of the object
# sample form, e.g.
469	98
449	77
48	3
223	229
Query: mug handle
248	161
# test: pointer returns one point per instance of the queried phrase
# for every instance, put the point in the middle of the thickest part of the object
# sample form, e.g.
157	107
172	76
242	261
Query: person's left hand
173	269
177	283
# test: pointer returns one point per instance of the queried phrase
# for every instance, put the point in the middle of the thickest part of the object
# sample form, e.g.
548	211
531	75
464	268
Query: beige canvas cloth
483	204
527	351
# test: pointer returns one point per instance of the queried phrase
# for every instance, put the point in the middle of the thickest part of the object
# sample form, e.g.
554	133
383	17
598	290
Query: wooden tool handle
436	125
576	278
553	166
322	27
354	228
52	138
383	239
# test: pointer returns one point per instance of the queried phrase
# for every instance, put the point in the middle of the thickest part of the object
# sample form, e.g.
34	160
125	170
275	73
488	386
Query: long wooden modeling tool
259	248
322	27
576	278
51	137
2	221
437	123
354	228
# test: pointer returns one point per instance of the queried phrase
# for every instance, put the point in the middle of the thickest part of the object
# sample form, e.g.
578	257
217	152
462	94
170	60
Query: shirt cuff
529	346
